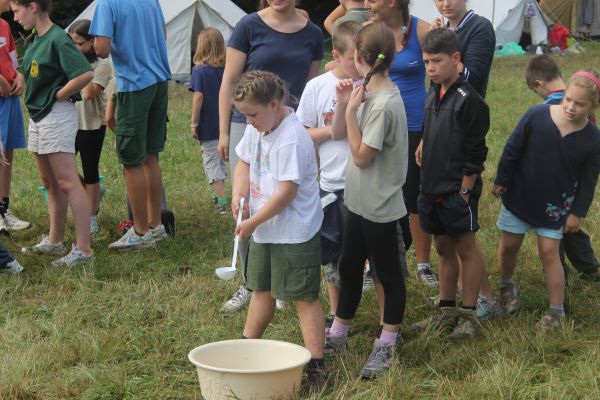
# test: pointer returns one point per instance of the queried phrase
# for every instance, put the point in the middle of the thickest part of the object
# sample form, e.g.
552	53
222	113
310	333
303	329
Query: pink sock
388	337
338	329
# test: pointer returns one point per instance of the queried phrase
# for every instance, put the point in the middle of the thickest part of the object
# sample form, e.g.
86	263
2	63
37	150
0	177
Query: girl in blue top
408	73
205	84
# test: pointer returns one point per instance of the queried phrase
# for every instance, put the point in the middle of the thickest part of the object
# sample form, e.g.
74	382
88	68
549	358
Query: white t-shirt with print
316	110
286	154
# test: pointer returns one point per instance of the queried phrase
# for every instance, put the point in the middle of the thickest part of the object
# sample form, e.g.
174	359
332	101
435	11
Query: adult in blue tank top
477	38
408	73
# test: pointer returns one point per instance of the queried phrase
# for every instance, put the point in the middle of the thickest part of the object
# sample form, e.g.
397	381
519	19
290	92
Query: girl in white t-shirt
277	173
378	137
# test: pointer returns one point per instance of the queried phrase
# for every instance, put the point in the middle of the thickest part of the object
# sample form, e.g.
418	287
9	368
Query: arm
18	85
362	155
476	120
109	114
197	100
331	18
319	135
423	28
314	70
236	60
91	90
4	87
343	91
241	186
586	186
513	150
478	57
102	46
74	86
286	192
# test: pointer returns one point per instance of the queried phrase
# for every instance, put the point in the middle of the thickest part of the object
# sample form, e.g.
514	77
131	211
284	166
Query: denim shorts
508	222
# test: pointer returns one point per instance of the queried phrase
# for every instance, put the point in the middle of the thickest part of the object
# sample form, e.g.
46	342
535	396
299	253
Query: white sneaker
159	233
14	223
280	304
11	268
45	247
237	301
131	241
74	257
428	278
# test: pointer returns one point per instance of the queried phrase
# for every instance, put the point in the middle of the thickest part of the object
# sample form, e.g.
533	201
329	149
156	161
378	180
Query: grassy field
121	328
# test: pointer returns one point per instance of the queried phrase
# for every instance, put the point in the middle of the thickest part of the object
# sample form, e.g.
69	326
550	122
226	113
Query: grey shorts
56	132
214	168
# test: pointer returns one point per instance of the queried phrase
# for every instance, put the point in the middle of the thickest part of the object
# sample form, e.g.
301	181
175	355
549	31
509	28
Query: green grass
121	328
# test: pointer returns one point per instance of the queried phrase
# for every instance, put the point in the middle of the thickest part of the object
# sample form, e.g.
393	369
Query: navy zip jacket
478	41
548	176
453	138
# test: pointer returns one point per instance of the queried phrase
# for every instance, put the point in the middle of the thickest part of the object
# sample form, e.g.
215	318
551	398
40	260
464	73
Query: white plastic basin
249	369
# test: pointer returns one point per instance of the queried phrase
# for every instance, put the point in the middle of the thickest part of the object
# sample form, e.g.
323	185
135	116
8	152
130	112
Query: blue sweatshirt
547	175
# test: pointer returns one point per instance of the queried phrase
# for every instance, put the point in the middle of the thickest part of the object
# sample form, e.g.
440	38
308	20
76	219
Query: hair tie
381	56
404	29
590	76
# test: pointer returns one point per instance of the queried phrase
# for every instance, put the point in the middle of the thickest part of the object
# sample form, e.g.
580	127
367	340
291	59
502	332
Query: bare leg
92	192
484	286
219	188
553	272
380	300
472	267
65	171
260	313
334	296
508	252
136	191
153	190
449	267
421	240
57	202
312	324
6	175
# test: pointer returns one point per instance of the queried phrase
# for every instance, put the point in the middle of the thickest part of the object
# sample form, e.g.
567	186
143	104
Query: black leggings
89	144
362	239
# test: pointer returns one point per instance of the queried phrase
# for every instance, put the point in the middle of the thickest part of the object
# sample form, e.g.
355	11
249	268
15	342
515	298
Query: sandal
551	320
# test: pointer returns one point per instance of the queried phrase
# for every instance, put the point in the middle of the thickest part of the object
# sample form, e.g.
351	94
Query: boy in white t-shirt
315	112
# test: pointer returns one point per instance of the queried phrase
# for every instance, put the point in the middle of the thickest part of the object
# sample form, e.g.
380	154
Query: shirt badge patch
34	71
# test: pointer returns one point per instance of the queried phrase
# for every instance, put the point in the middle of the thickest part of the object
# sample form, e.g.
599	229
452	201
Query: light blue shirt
138	49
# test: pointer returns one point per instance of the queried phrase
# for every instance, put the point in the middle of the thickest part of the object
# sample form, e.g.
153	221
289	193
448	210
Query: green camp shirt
50	62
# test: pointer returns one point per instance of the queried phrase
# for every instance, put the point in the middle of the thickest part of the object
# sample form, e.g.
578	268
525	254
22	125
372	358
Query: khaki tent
581	17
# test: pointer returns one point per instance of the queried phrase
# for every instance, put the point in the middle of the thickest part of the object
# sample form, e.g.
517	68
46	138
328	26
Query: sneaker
488	309
428	278
45	247
11	268
214	198
237	301
222	208
467	325
15	224
511	299
442	318
317	379
280	304
159	233
75	257
167	218
551	320
592	277
379	360
334	344
124	226
94	226
132	241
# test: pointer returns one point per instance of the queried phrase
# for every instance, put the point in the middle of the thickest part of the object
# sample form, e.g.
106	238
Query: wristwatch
464	190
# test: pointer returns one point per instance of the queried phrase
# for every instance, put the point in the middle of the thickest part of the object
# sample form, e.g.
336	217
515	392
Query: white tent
185	18
507	16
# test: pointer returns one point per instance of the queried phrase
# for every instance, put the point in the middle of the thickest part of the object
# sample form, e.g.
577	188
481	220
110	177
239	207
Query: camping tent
509	17
579	16
185	18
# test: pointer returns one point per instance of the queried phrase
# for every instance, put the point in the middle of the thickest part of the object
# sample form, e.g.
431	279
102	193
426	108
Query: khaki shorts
214	168
291	272
56	132
141	123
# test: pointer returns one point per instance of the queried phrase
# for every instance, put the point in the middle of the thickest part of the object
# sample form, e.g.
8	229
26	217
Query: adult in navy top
207	79
138	48
548	176
478	41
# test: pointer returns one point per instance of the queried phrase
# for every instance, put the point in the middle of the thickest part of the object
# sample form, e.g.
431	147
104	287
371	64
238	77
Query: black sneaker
167	218
317	380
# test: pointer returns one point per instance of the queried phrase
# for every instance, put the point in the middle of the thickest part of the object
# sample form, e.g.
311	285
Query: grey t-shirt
375	191
359	15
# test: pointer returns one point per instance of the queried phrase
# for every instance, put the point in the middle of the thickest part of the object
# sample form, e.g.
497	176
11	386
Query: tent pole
494	13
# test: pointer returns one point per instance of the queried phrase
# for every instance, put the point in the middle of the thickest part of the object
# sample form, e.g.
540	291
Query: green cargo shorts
141	123
291	272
